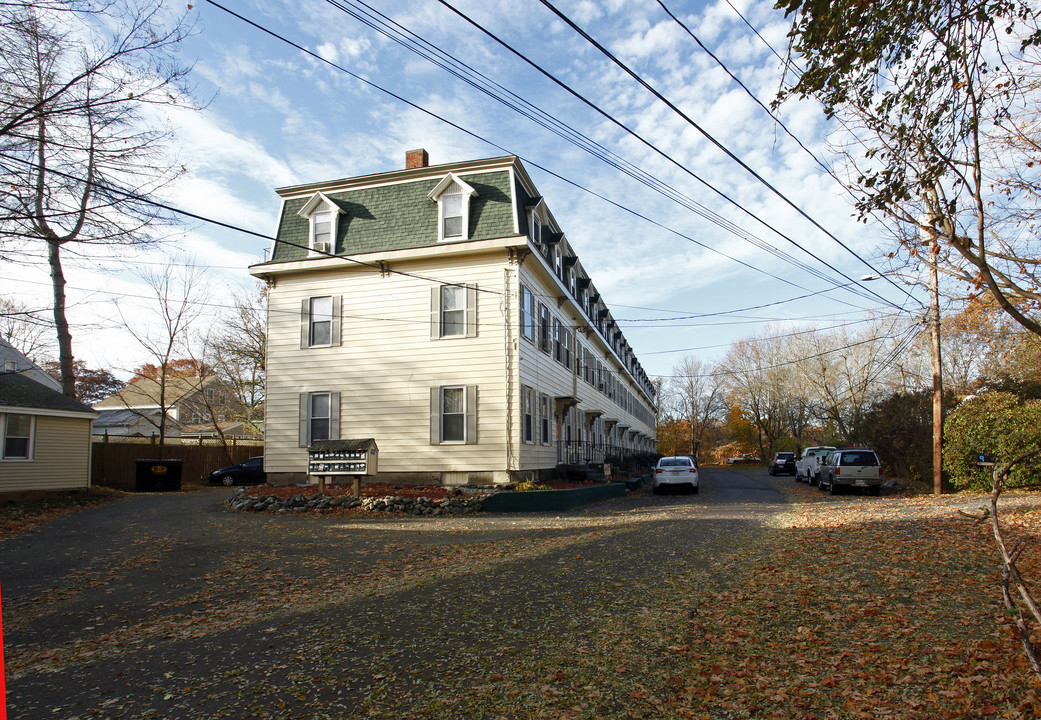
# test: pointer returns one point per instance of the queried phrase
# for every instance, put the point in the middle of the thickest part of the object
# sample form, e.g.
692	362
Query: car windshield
674	462
859	458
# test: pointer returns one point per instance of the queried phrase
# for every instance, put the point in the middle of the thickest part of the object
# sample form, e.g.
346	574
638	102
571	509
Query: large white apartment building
441	311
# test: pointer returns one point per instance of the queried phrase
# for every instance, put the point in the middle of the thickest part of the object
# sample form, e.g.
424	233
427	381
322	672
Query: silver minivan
851	467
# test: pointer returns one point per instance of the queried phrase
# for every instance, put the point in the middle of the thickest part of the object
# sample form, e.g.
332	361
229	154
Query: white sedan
675	472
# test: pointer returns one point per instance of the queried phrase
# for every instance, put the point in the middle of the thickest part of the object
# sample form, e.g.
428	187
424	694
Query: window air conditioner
322	247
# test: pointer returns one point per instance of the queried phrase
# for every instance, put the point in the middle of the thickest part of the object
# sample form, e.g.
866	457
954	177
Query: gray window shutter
435	416
334	416
337	314
471	414
305	322
435	312
305	410
471	311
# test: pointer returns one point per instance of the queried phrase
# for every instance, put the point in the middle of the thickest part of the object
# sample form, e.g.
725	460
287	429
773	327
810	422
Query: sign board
343	457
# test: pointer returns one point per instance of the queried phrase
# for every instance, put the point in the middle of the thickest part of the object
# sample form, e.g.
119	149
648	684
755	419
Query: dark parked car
247	472
783	463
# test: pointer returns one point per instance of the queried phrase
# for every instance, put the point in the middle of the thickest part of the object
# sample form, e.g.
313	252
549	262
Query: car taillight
880	471
838	471
693	470
657	471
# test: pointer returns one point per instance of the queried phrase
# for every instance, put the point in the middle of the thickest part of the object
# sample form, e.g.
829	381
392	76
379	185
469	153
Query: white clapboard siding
387	362
541	371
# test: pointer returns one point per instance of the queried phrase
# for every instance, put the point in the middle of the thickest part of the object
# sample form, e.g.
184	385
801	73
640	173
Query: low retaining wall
551	500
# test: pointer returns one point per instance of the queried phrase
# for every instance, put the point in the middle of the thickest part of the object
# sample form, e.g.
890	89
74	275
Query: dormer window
452	196
536	229
323	217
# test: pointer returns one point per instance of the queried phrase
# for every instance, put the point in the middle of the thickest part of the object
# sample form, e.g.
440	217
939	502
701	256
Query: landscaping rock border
240	501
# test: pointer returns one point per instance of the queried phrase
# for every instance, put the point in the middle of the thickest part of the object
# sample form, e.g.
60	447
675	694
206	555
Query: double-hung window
536	229
453	311
527	313
17	436
323	217
453	415
544	337
452	196
528	414
319	417
558	341
320	321
544	418
321	331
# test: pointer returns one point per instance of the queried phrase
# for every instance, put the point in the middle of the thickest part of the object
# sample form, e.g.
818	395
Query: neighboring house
12	360
461	333
191	402
45	437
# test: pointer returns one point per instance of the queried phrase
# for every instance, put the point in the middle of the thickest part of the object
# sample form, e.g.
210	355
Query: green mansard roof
397	215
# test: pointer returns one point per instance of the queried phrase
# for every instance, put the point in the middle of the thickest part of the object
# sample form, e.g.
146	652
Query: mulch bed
433	492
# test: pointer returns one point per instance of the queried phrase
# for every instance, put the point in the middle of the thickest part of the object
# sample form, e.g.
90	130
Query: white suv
851	467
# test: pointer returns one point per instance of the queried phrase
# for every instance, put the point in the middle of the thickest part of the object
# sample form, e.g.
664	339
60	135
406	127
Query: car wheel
874	490
834	488
771	470
813	480
821	484
227	480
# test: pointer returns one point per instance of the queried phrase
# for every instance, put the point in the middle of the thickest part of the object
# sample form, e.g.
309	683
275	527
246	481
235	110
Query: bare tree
78	161
843	371
237	351
163	329
696	392
26	328
752	381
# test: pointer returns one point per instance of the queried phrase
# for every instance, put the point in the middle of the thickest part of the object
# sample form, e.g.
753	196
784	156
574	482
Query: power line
855	287
435	55
499	147
748	92
635	76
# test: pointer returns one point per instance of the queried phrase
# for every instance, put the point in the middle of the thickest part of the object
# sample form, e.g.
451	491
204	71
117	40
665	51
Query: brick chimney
416	159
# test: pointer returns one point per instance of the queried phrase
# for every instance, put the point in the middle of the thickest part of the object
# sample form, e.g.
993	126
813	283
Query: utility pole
933	319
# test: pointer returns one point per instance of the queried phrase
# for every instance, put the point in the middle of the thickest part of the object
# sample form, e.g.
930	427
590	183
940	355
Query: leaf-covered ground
23	516
729	604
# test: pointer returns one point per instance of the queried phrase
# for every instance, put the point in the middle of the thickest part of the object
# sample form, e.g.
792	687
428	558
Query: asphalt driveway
168	606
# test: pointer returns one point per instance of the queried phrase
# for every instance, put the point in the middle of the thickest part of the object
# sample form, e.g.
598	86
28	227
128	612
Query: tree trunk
934	336
61	323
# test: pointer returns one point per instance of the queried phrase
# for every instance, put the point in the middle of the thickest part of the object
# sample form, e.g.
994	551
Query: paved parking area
169	606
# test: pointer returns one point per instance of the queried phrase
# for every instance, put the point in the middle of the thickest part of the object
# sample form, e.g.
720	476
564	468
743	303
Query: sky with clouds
276	116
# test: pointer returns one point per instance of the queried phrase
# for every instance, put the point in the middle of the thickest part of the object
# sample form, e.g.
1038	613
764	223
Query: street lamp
934	336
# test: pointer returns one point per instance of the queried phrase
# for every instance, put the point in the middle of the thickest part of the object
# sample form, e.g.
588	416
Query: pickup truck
808	464
746	458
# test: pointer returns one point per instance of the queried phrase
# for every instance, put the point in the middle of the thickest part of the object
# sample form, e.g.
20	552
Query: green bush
996	424
900	429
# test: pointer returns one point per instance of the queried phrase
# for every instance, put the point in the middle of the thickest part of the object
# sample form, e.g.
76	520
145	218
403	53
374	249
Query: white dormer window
452	196
536	228
323	217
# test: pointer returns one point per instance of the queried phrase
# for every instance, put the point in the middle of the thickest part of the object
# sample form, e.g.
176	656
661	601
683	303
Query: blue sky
277	117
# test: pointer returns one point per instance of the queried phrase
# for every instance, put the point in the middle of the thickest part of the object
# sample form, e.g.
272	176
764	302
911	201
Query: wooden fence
113	460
